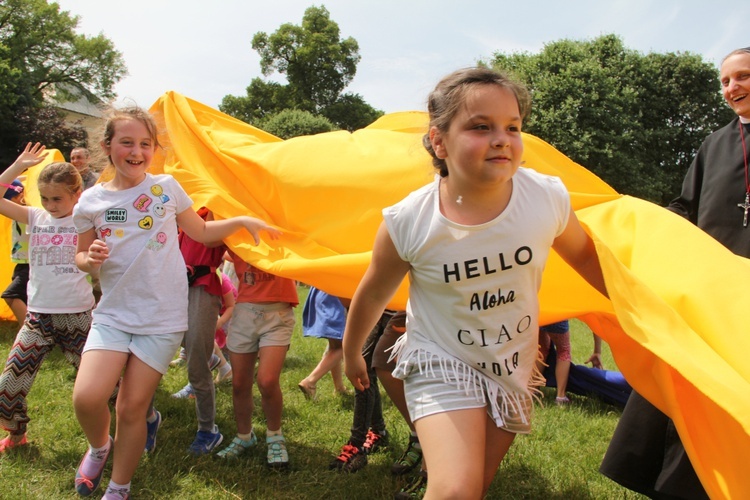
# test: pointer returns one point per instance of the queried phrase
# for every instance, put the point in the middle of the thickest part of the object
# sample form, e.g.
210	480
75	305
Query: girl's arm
576	248
31	155
380	282
90	253
596	357
229	302
212	231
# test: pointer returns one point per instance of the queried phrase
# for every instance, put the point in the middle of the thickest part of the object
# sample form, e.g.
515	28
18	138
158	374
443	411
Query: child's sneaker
277	455
151	430
410	458
214	362
180	360
563	401
375	440
351	459
225	373
413	489
205	442
185	393
85	485
237	447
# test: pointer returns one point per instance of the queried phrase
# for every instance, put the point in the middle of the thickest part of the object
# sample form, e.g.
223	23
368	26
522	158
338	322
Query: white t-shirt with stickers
56	285
473	289
144	284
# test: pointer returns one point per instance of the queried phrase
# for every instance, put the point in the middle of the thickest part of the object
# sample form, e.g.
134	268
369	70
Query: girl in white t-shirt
127	229
59	295
474	243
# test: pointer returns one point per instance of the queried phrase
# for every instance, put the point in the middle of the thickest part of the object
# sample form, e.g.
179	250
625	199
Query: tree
294	123
635	120
40	51
318	66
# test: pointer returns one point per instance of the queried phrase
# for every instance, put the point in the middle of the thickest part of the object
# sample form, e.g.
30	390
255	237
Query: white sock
118	489
245	437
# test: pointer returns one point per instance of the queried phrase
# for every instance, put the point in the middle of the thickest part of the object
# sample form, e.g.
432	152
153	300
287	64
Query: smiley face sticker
157	191
146	223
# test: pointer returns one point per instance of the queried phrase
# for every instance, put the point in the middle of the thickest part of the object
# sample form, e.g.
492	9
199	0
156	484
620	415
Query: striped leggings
39	334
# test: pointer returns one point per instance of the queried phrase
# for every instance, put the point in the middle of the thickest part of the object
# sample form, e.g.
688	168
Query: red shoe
8	444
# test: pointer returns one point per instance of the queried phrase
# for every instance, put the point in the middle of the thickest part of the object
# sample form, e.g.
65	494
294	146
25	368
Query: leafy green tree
263	99
41	55
318	66
634	120
295	122
351	112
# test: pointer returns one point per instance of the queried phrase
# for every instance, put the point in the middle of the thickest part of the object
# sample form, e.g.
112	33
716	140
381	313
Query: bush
295	122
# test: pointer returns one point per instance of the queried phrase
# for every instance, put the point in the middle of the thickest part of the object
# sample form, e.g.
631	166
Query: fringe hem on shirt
502	403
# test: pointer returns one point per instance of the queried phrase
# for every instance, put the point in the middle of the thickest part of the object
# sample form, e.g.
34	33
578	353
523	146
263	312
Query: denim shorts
155	350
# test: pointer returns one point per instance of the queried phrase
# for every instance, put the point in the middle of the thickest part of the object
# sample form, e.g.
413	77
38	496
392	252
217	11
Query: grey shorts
428	393
259	325
155	350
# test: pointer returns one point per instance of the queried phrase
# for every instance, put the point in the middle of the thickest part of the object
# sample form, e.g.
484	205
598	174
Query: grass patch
560	458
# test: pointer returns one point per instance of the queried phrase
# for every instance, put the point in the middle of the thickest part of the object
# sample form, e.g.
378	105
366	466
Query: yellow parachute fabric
677	298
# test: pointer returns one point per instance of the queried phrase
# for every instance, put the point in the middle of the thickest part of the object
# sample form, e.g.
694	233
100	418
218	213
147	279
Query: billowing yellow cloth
678	298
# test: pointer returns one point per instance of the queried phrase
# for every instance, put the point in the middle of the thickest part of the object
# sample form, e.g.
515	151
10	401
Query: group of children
465	405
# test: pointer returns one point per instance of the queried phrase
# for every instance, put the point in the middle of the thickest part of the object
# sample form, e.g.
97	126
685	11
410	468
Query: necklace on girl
746	204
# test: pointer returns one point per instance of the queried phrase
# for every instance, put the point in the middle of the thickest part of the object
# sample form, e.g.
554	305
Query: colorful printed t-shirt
56	285
144	284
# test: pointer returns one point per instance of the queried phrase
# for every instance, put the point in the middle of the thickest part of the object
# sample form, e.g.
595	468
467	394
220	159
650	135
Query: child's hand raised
255	226
31	155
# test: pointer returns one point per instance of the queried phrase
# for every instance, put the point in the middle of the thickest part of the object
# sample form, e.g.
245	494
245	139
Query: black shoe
375	440
351	459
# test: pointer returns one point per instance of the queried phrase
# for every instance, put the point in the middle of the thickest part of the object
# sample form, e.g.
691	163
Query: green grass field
558	460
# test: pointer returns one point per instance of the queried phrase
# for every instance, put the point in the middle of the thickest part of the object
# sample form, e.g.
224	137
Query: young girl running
59	296
128	236
484	228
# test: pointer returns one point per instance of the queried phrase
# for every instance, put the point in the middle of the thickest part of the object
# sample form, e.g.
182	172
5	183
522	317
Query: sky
202	49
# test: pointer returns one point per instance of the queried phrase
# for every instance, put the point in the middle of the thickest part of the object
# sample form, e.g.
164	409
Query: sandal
8	444
277	454
237	447
307	390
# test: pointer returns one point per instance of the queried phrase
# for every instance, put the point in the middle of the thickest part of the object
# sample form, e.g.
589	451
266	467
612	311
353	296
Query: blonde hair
744	50
114	116
63	173
450	94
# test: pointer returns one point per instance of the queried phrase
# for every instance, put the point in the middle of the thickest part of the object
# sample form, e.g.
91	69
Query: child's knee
268	385
87	401
129	410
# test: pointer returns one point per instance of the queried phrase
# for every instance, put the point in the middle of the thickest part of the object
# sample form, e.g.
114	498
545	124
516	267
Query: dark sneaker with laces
375	440
351	459
151	429
410	458
205	442
413	489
